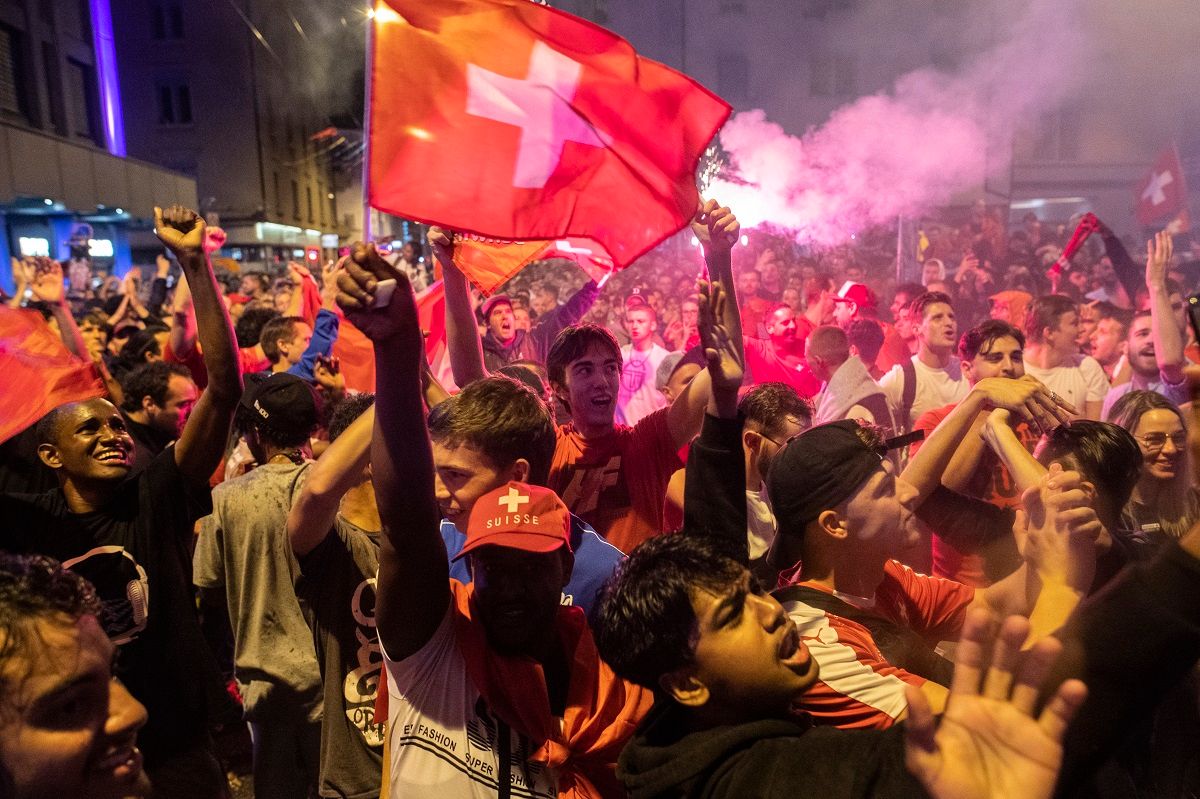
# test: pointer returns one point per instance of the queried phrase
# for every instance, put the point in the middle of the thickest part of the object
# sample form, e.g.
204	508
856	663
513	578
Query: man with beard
1155	346
780	358
933	377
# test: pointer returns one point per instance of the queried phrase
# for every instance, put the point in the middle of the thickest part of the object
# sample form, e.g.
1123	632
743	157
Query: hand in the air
988	745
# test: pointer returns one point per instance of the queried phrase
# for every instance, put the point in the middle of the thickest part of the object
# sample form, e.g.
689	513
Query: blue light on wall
106	71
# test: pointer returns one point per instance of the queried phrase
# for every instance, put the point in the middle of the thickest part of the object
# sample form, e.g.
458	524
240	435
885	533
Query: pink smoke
907	151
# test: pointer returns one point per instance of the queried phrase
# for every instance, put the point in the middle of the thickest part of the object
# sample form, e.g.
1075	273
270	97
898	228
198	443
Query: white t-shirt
760	523
1079	381
443	736
936	388
639	396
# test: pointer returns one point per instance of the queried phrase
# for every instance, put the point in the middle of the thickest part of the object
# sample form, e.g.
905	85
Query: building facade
229	93
64	173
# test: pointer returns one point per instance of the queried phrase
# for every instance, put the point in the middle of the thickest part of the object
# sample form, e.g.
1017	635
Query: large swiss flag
1162	194
512	120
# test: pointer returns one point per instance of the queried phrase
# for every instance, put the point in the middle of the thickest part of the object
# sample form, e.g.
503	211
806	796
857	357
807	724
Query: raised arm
338	470
183	328
414	576
997	432
718	230
47	287
202	442
715	486
1126	270
551	324
1168	340
462	334
1059	528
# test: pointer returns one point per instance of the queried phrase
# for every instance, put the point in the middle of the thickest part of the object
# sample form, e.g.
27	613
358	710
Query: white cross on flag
515	121
1161	194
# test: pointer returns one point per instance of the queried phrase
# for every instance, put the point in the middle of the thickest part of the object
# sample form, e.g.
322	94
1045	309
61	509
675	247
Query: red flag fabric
356	354
39	372
513	120
489	263
1161	194
431	309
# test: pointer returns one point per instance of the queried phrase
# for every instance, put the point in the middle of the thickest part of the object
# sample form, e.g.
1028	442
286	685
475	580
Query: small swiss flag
1162	193
516	121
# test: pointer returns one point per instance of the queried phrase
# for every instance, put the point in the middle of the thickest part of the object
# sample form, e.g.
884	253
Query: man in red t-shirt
780	357
990	349
611	475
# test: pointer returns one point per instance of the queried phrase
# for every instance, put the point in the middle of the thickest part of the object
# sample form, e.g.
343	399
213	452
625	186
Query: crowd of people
726	524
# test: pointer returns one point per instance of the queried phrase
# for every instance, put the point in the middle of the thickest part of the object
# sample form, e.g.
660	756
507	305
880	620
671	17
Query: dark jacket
533	344
762	759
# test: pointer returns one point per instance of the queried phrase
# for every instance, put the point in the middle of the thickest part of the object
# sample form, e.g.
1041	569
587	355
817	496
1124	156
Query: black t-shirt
337	585
21	470
136	551
148	442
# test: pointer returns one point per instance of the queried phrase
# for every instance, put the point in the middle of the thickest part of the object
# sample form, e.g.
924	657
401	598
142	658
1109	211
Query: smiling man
129	534
68	727
1156	345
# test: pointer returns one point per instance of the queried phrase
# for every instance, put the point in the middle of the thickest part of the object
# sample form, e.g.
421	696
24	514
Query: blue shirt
595	560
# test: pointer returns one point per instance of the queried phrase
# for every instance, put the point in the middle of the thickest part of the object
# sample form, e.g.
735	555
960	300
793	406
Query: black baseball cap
815	471
281	401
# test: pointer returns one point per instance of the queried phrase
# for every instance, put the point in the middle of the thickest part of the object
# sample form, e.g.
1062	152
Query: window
308	197
166	19
733	77
278	195
174	103
13	97
82	100
183	103
58	113
295	199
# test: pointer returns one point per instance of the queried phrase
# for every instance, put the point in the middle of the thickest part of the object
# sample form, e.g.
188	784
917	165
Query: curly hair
35	587
645	624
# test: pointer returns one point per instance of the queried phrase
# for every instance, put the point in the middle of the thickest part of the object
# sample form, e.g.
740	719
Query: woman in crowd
1164	503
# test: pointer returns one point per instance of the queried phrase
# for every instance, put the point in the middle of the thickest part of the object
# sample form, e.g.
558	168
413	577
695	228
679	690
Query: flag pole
366	151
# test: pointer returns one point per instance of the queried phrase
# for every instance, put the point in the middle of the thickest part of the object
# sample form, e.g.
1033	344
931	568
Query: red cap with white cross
518	516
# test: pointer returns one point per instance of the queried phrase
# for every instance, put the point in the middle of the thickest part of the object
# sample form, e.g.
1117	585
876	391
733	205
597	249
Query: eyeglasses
1154	442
